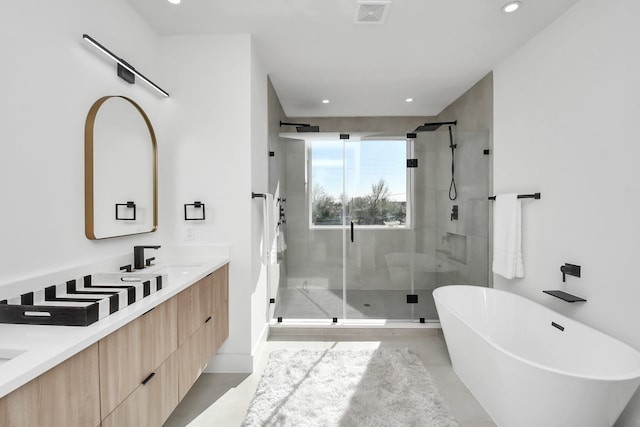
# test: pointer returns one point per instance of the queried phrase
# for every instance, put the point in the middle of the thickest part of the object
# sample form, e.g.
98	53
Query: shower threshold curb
317	328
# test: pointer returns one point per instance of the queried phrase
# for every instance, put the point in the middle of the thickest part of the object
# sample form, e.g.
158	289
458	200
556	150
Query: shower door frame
473	210
349	231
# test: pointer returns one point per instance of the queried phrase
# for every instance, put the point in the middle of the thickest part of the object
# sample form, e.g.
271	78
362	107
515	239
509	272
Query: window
364	180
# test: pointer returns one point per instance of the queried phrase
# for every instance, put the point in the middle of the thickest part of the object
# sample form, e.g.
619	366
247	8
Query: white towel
281	244
270	222
507	236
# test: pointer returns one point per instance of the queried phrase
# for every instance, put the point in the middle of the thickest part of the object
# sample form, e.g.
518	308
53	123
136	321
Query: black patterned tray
78	302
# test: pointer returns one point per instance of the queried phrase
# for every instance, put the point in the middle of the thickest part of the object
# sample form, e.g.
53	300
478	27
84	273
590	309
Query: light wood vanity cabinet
150	404
175	341
136	375
66	395
192	361
203	325
131	354
221	305
194	308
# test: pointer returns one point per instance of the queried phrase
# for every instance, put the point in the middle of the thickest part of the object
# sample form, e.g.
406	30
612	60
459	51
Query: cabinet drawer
151	403
193	360
216	324
131	353
221	306
194	307
66	395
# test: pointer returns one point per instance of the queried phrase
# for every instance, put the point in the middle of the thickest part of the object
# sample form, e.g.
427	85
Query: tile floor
221	400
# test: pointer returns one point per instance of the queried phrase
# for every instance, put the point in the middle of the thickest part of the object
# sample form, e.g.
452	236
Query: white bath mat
359	388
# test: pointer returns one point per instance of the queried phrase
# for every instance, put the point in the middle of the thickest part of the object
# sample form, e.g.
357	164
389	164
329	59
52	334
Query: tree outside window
385	201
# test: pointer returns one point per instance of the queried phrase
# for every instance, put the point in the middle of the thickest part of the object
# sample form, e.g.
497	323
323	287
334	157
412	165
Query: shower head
307	128
430	127
302	127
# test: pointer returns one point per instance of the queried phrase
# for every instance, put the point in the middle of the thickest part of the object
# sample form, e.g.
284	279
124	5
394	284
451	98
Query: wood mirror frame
91	226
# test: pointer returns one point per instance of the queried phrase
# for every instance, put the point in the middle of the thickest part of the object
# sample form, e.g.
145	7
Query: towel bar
522	196
195	205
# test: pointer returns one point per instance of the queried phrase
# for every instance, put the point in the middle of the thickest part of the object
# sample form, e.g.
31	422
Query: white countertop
44	346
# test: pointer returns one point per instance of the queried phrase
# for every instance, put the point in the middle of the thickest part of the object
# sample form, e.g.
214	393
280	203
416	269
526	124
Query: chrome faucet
138	255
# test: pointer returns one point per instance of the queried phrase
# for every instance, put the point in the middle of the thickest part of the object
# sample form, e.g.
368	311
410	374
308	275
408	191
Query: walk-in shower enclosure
367	226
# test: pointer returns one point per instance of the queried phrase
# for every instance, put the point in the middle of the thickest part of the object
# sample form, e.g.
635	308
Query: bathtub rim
633	375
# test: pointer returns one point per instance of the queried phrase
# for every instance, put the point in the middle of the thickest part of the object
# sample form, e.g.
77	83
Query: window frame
409	220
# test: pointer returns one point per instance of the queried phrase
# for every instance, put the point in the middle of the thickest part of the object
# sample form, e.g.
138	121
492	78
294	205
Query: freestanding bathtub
530	366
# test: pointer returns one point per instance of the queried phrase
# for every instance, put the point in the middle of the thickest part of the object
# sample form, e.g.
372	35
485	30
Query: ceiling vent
372	12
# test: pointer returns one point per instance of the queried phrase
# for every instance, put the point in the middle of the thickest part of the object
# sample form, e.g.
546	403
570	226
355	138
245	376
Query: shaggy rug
383	387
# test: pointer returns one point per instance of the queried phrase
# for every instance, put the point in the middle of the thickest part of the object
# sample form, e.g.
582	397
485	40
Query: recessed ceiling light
174	1
325	101
511	6
409	100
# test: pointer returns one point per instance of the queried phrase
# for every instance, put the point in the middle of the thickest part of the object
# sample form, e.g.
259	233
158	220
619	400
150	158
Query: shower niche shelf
565	296
455	248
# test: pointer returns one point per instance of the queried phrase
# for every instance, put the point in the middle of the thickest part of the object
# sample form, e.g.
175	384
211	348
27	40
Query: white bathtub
526	372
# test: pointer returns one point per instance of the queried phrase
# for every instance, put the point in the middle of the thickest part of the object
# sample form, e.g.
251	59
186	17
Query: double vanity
132	366
95	346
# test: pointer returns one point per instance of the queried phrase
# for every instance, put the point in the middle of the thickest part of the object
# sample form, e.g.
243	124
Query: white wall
215	124
49	79
206	132
259	184
566	114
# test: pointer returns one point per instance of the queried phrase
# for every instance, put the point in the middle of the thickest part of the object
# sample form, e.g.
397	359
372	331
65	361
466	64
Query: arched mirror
121	170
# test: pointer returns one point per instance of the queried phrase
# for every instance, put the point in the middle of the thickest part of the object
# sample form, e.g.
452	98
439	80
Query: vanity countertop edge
47	346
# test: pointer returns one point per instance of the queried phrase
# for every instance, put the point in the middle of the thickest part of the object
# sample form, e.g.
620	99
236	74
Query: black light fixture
302	127
125	70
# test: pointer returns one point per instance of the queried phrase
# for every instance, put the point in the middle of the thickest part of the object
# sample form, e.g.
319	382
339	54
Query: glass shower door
379	251
318	283
313	289
408	237
452	229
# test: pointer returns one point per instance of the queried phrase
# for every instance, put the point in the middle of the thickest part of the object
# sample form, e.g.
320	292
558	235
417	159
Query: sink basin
181	269
122	278
6	354
177	271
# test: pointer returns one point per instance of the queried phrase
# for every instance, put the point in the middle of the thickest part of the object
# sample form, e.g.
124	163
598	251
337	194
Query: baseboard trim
238	363
257	349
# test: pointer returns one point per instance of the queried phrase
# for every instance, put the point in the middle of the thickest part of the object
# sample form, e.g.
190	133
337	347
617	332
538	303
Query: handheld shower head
430	127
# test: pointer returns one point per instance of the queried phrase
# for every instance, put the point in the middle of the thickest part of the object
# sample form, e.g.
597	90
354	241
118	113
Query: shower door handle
351	231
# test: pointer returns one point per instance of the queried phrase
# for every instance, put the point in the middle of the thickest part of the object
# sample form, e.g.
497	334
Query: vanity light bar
123	64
